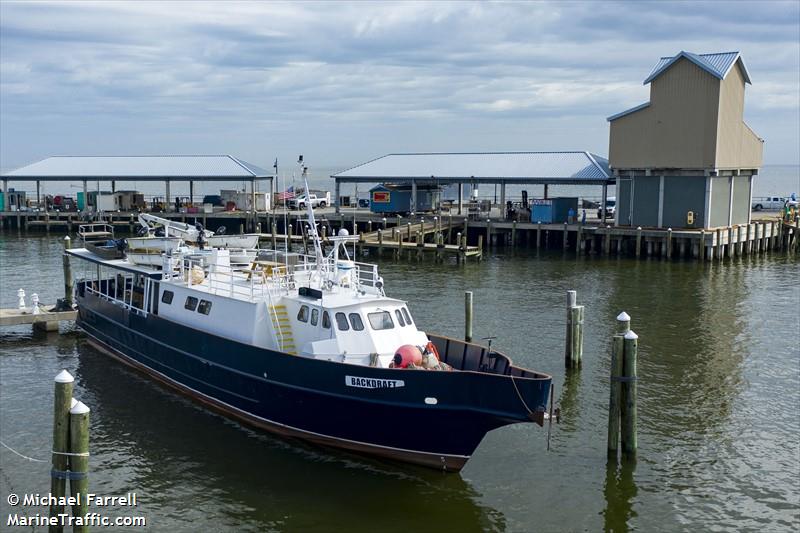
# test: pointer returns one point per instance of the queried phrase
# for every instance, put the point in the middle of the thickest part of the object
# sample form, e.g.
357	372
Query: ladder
282	328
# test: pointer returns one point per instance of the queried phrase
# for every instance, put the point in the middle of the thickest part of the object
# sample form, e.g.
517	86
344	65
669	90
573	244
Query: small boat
154	244
306	346
246	241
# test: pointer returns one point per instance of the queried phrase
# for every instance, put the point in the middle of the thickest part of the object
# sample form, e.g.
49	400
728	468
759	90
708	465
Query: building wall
677	130
737	145
681	195
720	201
645	200
741	200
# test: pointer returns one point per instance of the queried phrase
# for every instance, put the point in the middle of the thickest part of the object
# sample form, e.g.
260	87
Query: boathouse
480	168
686	158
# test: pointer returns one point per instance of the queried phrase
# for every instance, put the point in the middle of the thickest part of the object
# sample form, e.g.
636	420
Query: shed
686	158
396	198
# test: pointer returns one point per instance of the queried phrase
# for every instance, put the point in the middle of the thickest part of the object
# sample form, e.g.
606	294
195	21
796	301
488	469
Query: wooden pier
43	321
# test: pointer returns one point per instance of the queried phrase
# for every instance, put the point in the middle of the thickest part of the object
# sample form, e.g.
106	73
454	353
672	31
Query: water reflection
619	491
152	440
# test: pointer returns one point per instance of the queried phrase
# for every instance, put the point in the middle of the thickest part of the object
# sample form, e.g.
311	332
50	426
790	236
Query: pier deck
45	320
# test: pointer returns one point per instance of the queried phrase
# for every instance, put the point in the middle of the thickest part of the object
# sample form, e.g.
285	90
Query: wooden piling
488	233
579	240
566	236
79	462
538	235
607	240
514	233
68	288
468	316
628	411
638	241
480	246
668	246
615	395
274	235
380	242
64	383
241	228
569	359
702	246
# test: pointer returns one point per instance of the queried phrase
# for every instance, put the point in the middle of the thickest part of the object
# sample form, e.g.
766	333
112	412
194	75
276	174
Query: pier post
468	316
730	248
628	409
480	246
488	233
408	226
538	235
579	240
514	234
79	461
702	246
638	241
615	389
748	244
764	237
380	242
668	246
68	288
570	360
289	235
62	403
274	235
607	240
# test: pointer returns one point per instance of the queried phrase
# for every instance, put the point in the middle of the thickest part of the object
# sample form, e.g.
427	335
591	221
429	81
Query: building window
380	320
355	321
166	297
408	317
302	314
399	316
341	322
314	317
204	307
326	320
191	303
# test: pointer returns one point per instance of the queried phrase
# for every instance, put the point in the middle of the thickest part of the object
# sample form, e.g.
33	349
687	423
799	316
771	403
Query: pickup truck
769	202
300	202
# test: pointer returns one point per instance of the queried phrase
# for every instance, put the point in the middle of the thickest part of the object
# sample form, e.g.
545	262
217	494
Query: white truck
299	202
770	203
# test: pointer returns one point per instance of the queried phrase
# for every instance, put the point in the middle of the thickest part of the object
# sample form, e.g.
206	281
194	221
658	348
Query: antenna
311	221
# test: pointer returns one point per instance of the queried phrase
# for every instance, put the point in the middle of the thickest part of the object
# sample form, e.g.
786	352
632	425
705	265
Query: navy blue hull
317	400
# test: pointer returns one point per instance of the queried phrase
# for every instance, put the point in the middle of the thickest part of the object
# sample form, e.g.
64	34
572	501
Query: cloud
237	76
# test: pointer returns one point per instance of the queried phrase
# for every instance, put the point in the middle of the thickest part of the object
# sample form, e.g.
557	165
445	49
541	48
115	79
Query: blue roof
518	167
628	111
718	64
142	167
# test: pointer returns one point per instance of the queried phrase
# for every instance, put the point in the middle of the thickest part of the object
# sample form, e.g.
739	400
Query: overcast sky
346	82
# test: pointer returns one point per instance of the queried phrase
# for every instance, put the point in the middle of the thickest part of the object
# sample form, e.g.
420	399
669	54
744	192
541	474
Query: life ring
431	348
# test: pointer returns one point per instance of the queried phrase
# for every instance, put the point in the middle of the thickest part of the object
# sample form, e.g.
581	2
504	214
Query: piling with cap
468	316
638	241
274	235
628	411
62	402
79	461
615	393
68	287
573	345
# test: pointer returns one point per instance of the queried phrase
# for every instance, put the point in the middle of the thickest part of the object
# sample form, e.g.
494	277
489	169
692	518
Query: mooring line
21	455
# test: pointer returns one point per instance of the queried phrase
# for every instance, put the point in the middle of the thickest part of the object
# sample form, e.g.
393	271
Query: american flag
283	196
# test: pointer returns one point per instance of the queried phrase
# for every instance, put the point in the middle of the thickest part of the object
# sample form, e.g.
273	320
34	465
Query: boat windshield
380	320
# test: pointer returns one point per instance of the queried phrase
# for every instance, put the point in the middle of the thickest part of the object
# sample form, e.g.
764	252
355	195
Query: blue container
541	211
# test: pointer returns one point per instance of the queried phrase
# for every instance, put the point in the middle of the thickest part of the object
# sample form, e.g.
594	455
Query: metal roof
717	64
151	167
511	167
628	111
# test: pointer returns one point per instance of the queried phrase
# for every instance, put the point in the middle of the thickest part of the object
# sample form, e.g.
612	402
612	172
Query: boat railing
102	288
95	231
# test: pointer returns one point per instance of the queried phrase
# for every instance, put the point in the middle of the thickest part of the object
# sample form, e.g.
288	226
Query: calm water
719	426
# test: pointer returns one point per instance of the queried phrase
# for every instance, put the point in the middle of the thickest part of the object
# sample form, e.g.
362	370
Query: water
719	410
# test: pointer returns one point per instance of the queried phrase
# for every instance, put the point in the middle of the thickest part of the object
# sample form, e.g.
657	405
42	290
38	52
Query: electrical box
690	218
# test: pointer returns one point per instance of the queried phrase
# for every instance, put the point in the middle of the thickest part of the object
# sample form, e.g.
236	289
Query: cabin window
326	320
302	314
399	316
204	307
166	297
380	320
191	303
408	317
341	322
356	322
314	317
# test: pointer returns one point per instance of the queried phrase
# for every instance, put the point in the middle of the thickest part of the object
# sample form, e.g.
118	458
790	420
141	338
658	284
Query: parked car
769	202
300	202
213	199
611	208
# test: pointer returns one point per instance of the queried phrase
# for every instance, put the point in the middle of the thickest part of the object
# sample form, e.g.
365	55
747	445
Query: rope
82	454
520	395
21	455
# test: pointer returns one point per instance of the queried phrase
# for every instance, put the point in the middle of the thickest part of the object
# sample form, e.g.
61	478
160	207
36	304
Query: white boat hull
233	241
145	258
154	244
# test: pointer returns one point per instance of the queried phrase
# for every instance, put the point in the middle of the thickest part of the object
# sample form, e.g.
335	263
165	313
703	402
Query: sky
343	83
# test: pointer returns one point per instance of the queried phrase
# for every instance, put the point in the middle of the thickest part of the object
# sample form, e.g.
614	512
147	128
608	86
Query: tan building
686	158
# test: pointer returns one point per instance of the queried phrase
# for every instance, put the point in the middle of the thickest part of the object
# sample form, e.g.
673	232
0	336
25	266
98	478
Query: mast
311	221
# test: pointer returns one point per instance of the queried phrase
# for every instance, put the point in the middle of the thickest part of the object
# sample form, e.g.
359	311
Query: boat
242	242
153	244
306	346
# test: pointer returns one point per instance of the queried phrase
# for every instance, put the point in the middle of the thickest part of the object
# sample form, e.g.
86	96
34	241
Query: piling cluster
623	390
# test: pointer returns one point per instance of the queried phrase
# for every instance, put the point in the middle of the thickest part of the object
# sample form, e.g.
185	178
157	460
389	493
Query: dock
43	321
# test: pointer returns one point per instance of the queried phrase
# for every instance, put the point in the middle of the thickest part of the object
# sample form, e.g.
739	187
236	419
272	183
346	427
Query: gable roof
717	64
518	167
142	167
